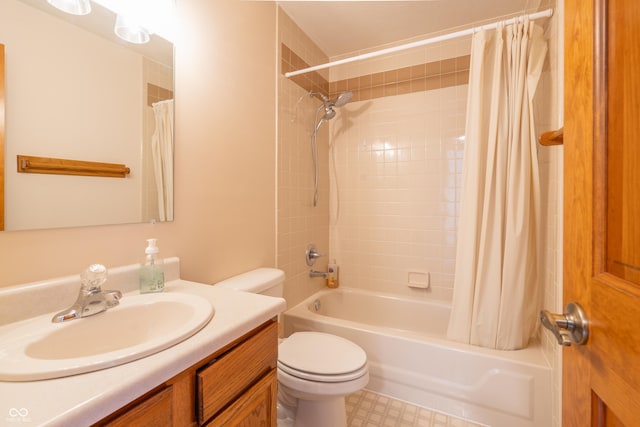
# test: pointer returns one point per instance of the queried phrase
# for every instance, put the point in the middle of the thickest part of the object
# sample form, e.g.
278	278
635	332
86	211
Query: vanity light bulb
130	31
73	7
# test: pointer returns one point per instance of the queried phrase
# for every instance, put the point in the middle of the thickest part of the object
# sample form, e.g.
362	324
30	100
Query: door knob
570	327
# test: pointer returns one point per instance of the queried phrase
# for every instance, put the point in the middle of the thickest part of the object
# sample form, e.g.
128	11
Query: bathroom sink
141	325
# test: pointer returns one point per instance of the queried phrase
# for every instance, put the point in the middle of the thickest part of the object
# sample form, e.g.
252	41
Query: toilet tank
265	281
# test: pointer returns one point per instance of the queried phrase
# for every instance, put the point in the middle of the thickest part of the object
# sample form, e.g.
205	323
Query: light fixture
130	31
74	7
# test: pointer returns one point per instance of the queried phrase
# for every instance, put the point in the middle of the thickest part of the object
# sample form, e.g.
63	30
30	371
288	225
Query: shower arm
322	97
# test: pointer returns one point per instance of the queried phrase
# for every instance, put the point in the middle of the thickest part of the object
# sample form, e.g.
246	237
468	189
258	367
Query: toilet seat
323	378
316	356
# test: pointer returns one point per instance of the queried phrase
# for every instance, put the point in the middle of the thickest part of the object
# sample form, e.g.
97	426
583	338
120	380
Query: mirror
75	91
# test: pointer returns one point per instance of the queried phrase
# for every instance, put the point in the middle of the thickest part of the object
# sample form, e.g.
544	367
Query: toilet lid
321	357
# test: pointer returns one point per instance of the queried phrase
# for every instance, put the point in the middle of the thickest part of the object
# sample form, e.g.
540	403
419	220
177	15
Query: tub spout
323	274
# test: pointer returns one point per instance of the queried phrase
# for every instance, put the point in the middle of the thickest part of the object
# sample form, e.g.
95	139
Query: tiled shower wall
299	223
395	192
398	161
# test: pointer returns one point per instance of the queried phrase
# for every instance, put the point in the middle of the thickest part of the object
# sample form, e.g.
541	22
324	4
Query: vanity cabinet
234	386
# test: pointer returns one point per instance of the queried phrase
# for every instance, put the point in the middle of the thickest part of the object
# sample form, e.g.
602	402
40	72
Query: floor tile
368	409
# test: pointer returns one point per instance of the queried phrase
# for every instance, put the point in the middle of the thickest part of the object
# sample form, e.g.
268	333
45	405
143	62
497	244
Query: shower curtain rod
537	15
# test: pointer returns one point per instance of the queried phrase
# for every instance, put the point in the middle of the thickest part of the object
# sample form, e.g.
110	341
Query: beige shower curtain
495	298
162	153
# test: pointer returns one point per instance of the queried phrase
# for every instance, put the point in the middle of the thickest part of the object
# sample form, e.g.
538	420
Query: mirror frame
1	137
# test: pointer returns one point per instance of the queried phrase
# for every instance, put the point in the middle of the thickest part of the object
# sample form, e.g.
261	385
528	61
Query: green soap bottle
152	269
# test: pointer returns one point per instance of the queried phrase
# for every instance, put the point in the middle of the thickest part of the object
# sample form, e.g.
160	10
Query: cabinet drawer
256	407
235	371
153	411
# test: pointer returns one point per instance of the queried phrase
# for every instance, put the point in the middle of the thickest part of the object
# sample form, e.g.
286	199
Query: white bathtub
410	358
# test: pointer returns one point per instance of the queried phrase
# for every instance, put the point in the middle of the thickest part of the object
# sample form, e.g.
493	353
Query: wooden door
601	380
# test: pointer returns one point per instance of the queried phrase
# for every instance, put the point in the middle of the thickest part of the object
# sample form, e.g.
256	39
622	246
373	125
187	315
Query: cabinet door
255	408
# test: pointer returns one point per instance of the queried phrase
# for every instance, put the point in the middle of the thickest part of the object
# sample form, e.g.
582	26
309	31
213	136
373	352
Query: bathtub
410	358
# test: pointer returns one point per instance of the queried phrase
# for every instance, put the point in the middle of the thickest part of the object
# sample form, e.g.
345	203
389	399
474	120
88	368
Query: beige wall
225	161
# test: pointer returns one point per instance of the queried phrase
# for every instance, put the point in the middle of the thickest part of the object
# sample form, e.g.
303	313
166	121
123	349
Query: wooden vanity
236	385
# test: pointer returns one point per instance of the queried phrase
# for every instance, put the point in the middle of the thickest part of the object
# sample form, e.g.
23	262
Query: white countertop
86	398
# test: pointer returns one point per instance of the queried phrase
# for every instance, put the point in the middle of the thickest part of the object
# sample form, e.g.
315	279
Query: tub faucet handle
312	254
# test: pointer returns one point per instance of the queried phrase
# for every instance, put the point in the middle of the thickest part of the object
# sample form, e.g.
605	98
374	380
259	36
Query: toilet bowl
316	370
319	370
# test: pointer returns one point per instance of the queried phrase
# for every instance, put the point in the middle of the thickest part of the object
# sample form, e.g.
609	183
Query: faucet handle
112	298
93	277
312	254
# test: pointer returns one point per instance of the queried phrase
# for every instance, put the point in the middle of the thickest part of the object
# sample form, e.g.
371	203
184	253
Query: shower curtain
496	286
162	154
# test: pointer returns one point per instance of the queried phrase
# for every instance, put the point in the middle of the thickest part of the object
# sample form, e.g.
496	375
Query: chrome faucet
91	299
314	273
311	256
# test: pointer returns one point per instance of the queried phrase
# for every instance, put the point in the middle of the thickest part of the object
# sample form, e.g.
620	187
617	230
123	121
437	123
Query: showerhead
339	101
328	104
329	113
343	98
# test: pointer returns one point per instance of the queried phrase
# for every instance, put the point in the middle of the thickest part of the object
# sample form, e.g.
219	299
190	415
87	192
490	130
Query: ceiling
341	27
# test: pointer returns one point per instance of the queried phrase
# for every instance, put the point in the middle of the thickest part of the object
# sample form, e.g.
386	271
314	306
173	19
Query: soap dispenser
151	269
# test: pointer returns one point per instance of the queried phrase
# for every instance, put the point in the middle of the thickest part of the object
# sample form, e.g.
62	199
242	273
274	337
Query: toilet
315	370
